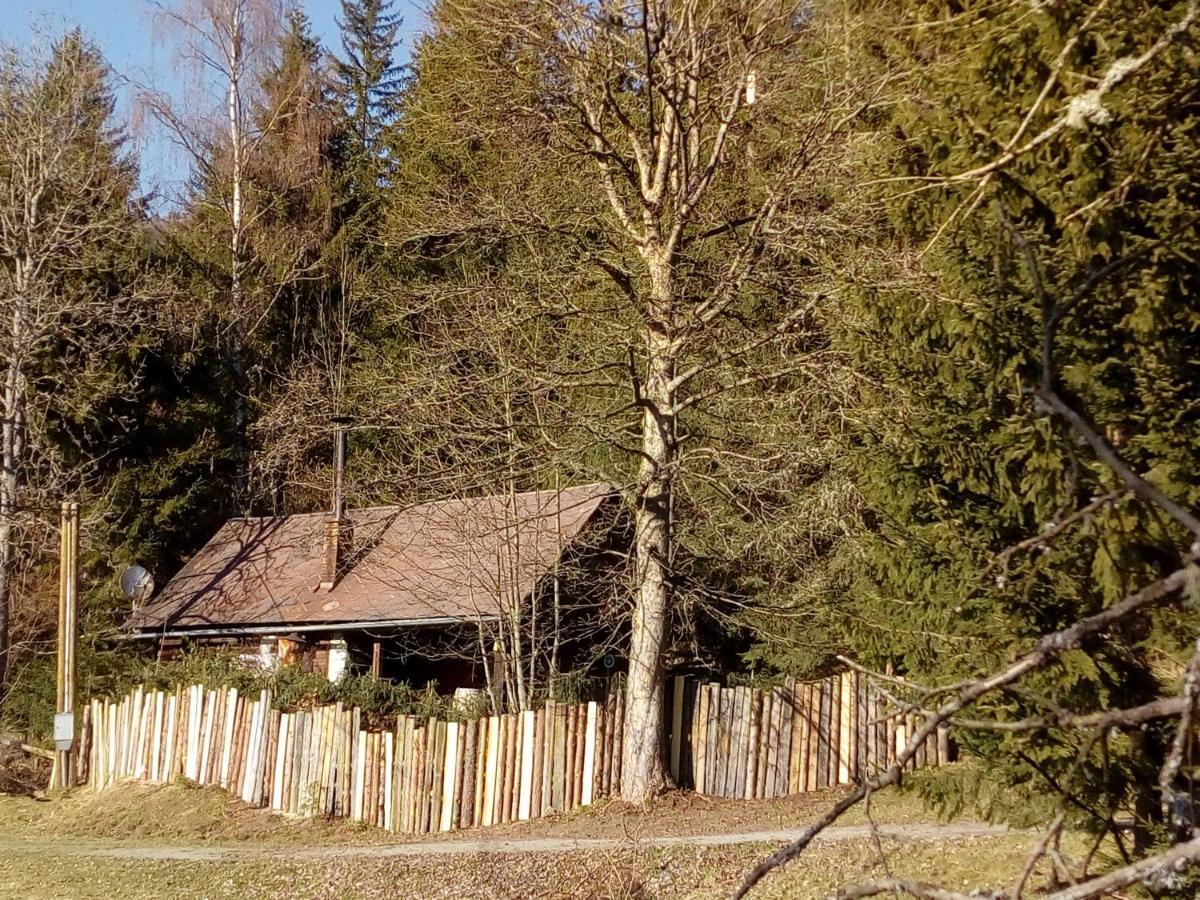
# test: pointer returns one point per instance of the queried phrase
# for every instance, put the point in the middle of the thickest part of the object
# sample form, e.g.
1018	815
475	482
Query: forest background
880	316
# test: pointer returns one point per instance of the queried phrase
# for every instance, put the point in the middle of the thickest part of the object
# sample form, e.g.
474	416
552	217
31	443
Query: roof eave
291	627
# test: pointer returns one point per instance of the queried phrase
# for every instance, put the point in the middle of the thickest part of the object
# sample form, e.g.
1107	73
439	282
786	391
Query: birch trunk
10	452
235	60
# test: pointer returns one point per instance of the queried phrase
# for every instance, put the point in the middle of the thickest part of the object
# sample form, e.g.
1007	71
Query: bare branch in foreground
1140	486
1046	651
1177	859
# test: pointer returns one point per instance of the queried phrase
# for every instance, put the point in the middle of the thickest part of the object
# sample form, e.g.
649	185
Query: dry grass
182	812
174	813
677	872
65	849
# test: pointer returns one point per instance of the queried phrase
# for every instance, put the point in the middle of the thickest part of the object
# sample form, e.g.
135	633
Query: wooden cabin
421	593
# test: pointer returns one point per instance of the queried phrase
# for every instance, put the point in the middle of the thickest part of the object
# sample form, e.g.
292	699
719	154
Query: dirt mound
183	811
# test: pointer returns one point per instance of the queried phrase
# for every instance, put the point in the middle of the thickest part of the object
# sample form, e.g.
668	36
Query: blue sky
139	55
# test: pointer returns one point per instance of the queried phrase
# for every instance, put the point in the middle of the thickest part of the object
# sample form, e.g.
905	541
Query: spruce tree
955	458
368	83
292	177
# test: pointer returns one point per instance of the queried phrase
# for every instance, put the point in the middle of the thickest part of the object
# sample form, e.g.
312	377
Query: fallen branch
902	886
30	749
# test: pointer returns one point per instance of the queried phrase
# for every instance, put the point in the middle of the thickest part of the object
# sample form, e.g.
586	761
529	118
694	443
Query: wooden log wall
428	775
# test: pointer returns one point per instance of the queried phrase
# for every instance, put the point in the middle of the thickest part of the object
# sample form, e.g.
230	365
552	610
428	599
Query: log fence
751	743
428	774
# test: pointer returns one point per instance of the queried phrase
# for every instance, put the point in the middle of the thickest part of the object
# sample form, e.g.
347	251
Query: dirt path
91	848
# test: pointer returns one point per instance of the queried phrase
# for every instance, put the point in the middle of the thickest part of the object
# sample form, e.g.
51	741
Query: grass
676	872
183	812
67	848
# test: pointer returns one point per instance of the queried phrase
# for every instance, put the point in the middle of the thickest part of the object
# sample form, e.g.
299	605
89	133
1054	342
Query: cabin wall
416	657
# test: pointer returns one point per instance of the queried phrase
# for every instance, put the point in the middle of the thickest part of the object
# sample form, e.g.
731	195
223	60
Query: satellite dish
137	584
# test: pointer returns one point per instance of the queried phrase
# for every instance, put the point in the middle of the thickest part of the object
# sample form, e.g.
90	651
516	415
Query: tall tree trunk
643	772
556	598
10	454
238	340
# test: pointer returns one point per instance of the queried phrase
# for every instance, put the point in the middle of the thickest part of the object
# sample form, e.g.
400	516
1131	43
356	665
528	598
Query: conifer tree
1040	252
291	177
367	84
68	219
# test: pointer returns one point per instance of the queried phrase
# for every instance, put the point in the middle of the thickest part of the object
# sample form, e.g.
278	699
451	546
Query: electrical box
64	730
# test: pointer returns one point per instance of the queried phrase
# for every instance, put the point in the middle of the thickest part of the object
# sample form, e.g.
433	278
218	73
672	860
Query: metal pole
339	468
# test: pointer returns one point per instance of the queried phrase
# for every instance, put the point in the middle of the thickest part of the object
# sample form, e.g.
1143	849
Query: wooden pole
509	781
845	728
587	787
60	678
482	742
795	779
721	709
566	751
824	705
549	759
766	735
68	589
527	720
449	775
460	774
491	765
619	745
943	745
731	741
742	702
561	763
701	739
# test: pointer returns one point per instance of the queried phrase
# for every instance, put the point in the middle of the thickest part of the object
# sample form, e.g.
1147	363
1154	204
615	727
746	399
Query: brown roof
457	559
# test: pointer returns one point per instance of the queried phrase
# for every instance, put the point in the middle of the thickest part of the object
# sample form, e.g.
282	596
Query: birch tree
228	45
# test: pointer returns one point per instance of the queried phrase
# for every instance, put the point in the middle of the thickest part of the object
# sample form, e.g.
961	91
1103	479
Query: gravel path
67	846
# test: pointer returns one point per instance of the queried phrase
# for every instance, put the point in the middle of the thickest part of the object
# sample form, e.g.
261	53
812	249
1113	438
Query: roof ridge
401	507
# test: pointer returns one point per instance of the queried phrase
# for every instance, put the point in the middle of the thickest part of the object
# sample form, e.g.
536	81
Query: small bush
292	688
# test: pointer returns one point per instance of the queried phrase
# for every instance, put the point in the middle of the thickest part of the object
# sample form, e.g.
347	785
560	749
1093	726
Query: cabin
434	592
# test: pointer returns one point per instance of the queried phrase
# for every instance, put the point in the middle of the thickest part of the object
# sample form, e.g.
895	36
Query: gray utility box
64	730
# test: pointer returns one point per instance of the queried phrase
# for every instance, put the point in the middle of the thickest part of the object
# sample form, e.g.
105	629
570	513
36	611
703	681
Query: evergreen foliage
75	301
955	458
368	84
